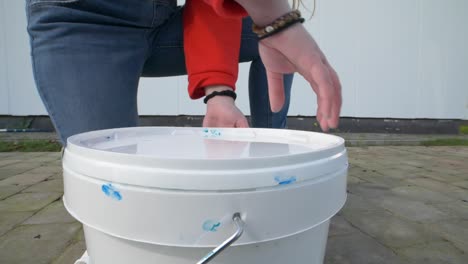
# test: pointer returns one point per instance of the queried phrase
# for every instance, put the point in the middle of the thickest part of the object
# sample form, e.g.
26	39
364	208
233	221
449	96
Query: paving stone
23	155
455	231
9	190
368	190
339	226
72	253
416	193
354	180
446	175
358	248
412	210
390	230
46	158
10	220
463	184
398	173
384	180
47	169
26	179
56	176
441	187
358	203
36	243
27	201
434	253
17	168
5	162
53	213
46	186
457	209
80	236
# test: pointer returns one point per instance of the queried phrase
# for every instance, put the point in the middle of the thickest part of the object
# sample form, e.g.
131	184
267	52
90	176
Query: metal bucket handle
240	229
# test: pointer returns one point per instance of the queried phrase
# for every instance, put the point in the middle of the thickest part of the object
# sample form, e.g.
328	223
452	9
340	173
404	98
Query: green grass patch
446	142
30	146
463	130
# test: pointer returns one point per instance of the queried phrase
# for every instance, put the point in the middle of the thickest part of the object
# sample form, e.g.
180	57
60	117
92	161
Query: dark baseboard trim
347	124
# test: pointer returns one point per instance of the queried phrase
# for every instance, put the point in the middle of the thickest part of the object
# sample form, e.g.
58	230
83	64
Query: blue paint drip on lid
285	180
110	191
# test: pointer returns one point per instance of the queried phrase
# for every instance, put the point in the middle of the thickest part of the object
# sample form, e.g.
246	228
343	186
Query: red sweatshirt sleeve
227	8
211	44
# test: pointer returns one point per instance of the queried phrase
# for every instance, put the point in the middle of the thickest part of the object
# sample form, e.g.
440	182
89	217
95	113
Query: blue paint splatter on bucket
211	132
110	191
211	226
285	180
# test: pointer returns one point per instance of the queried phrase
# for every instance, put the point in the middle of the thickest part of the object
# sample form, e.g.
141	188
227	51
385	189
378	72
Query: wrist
266	11
216	88
219	94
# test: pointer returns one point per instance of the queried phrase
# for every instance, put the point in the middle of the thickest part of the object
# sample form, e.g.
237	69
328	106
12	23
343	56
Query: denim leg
87	59
261	114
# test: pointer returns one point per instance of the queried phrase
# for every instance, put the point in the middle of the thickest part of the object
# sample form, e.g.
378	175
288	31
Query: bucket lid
201	158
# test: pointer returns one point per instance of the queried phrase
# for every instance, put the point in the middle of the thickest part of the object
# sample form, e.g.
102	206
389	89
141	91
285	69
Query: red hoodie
212	33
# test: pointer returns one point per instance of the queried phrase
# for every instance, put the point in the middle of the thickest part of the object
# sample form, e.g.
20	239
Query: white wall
395	58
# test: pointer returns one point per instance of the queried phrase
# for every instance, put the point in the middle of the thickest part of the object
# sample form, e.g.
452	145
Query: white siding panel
158	96
24	99
387	79
443	86
4	97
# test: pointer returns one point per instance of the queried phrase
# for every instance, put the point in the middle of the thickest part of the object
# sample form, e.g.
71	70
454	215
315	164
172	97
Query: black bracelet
229	93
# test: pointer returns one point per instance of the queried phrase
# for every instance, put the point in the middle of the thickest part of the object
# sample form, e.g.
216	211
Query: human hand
221	111
294	50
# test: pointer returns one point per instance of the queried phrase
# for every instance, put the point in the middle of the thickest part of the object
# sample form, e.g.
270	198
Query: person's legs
168	59
87	59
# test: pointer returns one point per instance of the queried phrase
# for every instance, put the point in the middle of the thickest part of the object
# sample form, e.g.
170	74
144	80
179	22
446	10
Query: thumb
275	90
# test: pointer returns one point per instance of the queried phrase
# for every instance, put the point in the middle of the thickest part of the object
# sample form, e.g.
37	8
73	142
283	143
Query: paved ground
405	205
352	139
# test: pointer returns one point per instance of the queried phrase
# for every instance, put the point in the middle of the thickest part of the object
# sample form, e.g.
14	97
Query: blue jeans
88	56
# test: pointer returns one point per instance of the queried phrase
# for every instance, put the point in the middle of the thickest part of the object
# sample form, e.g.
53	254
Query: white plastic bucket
167	195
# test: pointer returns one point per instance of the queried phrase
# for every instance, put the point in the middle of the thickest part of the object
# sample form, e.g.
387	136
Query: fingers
275	90
337	99
242	123
319	78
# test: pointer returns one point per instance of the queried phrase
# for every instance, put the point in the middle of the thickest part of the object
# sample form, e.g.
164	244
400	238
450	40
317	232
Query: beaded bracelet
229	93
278	25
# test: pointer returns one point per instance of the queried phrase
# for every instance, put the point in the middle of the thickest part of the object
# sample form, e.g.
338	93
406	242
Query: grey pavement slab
24	202
71	254
53	213
358	248
17	168
449	189
412	210
26	179
416	193
36	243
48	185
434	253
457	209
455	231
9	190
390	230
340	226
11	219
